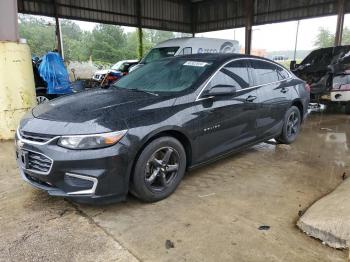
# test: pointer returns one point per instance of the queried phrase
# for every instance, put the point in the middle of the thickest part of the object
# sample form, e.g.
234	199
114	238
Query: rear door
273	91
226	122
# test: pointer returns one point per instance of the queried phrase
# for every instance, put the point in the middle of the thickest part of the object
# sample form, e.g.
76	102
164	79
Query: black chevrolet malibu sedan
146	130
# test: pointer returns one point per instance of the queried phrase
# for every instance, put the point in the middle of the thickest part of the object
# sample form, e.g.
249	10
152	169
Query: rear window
234	74
266	72
158	53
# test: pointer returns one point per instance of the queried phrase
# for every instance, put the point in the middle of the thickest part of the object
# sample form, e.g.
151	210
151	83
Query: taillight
307	88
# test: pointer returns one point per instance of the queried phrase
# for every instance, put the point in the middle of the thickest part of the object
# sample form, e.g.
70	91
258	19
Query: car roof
219	57
332	47
182	41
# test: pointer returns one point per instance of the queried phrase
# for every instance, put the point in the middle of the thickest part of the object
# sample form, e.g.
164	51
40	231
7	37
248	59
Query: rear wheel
159	169
291	126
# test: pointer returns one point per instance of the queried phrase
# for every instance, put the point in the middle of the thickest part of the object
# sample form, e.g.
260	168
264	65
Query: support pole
249	7
8	21
296	40
340	23
193	19
139	29
140	40
59	37
58	32
17	89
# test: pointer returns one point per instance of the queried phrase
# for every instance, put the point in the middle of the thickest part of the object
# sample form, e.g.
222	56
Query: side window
267	72
282	73
235	74
186	51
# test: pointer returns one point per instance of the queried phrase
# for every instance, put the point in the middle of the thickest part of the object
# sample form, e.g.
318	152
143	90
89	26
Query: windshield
158	53
118	65
164	76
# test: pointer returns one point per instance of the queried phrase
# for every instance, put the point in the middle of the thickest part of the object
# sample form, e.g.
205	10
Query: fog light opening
90	191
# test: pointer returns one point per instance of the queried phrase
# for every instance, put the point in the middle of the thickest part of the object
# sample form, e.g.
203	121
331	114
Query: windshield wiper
144	91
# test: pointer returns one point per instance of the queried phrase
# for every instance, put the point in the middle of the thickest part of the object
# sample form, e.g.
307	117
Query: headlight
91	141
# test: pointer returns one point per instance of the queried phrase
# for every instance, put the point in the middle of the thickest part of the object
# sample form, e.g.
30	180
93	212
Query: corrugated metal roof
268	11
172	15
181	15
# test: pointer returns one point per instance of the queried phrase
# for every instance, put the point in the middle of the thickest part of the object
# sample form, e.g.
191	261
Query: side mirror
221	90
293	64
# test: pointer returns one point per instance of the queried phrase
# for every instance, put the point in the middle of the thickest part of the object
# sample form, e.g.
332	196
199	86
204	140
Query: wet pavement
242	208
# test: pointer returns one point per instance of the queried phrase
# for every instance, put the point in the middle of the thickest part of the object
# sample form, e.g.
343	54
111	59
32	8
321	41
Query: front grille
41	138
38	162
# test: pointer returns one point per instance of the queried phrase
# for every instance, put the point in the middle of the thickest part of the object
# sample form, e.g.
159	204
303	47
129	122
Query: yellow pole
17	89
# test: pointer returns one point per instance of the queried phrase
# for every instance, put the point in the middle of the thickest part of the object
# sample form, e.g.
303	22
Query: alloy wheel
41	99
162	169
292	125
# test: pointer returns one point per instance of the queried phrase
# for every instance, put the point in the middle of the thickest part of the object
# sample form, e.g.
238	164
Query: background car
340	92
317	69
188	46
115	72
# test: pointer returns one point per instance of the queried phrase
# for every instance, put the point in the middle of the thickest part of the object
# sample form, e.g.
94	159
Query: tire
159	169
347	108
291	126
42	97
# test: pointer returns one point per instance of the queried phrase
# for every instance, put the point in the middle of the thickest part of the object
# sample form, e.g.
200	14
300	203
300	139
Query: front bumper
100	175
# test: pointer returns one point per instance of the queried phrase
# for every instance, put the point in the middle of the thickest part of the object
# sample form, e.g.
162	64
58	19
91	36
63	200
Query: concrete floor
213	216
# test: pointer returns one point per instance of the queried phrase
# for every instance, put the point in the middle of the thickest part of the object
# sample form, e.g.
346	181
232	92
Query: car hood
103	72
100	110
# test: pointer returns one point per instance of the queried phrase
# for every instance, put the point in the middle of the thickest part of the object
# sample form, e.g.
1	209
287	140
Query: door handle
250	98
284	90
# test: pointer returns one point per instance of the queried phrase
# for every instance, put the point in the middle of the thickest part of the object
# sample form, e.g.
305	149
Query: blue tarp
53	71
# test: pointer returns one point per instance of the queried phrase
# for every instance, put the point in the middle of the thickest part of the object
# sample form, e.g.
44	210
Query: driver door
226	122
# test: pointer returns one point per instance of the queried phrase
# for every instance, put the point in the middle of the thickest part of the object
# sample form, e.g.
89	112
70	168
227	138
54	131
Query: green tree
324	38
108	43
74	45
346	36
40	34
157	36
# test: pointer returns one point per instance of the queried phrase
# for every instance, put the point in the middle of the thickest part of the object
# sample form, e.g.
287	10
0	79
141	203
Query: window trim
199	98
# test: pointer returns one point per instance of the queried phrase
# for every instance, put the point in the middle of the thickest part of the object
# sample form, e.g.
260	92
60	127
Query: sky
271	37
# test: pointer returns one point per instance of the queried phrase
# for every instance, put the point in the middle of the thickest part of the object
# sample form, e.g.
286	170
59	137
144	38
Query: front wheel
159	169
291	126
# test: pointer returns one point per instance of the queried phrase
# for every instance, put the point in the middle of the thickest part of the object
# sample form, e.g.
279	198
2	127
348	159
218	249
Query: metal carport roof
182	15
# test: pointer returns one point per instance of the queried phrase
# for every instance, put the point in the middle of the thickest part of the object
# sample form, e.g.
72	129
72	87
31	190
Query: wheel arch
172	132
300	106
